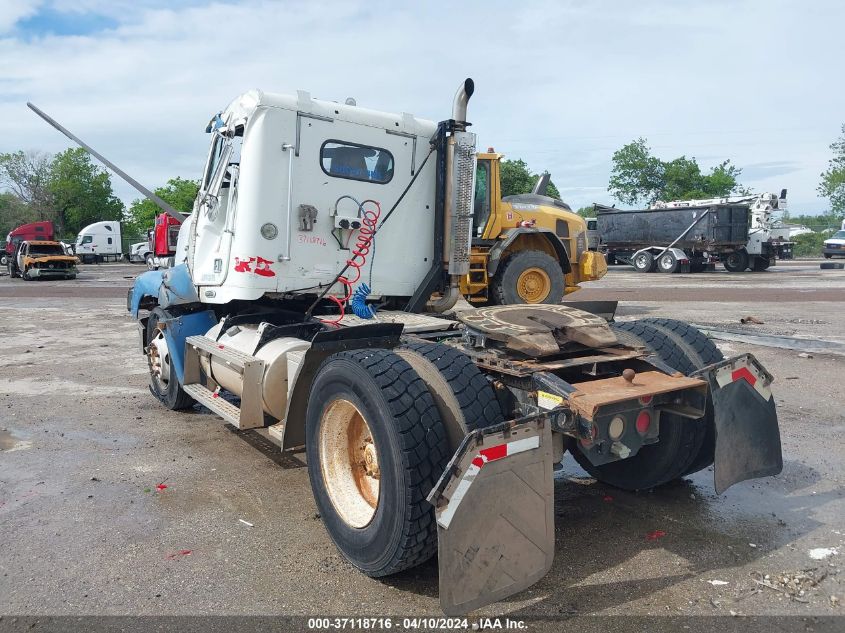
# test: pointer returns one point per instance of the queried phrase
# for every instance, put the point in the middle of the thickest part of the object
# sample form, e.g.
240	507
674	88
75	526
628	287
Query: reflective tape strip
748	373
484	456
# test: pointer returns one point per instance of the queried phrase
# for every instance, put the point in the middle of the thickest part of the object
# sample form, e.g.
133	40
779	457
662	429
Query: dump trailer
424	433
673	239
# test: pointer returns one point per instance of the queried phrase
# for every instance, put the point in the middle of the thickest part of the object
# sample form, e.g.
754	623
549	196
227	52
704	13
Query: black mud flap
494	508
747	434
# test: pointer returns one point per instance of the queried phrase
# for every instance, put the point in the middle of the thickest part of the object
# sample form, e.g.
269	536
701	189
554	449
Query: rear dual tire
685	446
374	508
380	428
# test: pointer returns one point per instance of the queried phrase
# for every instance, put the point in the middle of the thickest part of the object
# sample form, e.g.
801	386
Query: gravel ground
111	505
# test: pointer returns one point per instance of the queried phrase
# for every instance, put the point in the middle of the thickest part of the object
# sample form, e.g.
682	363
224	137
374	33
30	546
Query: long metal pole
149	194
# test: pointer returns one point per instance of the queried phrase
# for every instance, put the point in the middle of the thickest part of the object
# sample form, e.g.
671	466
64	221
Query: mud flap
494	507
747	434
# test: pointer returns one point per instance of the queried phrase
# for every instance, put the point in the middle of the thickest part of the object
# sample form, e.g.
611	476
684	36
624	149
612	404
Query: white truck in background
100	241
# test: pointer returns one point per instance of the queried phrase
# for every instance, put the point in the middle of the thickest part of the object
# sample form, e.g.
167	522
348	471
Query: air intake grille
463	193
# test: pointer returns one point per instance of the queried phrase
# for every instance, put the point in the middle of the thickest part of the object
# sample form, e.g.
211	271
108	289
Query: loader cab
550	240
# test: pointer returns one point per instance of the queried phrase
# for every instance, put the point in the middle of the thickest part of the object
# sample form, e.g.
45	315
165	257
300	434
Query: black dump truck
684	239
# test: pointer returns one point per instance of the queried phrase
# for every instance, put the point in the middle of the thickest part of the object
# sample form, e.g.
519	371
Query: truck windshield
45	249
839	235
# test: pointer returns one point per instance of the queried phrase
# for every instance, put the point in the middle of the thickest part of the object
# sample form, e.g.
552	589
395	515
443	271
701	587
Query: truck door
215	222
482	204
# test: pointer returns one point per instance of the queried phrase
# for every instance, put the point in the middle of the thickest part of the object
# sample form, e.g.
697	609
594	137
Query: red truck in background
162	239
25	232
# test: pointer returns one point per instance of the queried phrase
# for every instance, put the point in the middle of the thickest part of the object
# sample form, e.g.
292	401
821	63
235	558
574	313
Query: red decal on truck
243	265
262	266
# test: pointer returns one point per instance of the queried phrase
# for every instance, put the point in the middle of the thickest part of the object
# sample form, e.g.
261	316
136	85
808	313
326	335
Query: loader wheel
680	438
375	447
736	262
529	277
643	262
701	351
465	399
164	384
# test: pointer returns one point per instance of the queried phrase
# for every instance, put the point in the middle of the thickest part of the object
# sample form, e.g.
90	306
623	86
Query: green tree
638	175
13	213
832	185
516	178
178	193
587	212
27	176
81	192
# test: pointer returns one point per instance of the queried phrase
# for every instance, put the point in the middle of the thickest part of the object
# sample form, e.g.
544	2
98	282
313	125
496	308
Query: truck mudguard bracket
494	508
747	434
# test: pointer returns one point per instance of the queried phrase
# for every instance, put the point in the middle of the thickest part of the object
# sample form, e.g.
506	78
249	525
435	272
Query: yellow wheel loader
527	248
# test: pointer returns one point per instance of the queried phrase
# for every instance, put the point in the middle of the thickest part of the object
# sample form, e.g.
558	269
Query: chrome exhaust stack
460	193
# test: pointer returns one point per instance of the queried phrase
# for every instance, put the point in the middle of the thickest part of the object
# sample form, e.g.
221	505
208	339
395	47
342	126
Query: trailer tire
529	277
377	393
643	262
761	263
149	260
736	262
170	394
668	263
680	439
465	399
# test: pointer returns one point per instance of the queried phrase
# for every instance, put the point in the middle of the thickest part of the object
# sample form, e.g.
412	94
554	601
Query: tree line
71	191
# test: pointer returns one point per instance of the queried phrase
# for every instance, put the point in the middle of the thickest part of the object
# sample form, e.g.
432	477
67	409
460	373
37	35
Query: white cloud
560	84
12	11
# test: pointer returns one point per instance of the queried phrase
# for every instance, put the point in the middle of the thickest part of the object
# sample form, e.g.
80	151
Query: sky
561	84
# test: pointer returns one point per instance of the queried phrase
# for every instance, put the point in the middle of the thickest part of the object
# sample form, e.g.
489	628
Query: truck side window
109	239
481	204
87	239
357	162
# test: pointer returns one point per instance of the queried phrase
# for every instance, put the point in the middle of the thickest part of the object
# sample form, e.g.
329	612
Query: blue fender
146	285
181	327
170	287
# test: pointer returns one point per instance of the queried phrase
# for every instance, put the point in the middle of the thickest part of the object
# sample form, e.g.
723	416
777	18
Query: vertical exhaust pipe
462	96
460	192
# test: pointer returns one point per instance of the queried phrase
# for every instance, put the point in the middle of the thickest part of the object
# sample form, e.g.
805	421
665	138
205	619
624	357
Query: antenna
149	194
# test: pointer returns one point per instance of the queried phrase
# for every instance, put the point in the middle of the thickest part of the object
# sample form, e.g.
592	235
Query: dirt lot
83	446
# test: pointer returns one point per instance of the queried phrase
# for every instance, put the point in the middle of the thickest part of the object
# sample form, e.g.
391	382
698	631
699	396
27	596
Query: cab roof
243	106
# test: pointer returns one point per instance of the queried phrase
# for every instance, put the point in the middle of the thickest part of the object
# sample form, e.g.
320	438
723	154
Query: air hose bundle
369	222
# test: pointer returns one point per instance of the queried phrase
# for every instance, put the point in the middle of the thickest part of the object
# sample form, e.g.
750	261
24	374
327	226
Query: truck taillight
643	422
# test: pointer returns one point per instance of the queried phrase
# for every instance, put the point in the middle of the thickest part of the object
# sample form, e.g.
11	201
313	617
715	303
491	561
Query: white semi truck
100	241
309	296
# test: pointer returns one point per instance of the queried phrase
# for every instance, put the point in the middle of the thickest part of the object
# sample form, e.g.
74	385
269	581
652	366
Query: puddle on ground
10	442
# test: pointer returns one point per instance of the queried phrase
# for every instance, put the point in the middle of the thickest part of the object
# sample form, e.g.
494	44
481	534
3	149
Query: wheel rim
666	262
641	261
349	462
533	285
159	356
733	260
